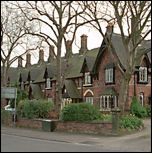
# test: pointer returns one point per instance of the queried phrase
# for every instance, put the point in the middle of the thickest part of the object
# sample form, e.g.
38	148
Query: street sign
8	92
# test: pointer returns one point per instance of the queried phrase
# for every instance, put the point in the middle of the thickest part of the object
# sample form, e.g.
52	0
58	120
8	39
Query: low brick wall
103	127
28	123
80	127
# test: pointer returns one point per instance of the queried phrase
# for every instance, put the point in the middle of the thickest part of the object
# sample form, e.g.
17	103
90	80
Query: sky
94	40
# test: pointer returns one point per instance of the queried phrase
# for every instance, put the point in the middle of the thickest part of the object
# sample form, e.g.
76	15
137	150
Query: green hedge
34	108
148	109
80	112
137	109
130	122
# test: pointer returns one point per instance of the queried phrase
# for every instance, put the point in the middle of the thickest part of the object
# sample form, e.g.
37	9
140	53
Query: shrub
137	109
148	109
5	115
130	122
34	108
106	116
80	112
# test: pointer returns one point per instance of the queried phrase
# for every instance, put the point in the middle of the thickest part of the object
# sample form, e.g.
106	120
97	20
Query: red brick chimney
51	53
68	48
83	44
41	56
28	60
20	61
110	28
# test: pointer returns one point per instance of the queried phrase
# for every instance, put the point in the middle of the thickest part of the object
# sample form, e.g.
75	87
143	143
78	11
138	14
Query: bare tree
62	19
130	13
13	36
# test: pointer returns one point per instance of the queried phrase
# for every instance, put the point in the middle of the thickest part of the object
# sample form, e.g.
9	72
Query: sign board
8	92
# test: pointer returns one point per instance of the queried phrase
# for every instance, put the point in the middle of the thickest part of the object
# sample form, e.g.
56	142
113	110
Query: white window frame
105	101
143	74
48	83
87	78
141	98
109	75
89	100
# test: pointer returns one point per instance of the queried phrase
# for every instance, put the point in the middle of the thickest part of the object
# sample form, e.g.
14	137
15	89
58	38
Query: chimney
51	53
41	56
68	48
28	60
20	61
83	44
110	28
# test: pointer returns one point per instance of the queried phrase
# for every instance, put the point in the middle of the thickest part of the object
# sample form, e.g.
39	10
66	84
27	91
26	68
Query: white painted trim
87	92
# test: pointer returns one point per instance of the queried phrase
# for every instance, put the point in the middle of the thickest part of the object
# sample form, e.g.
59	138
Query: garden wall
103	127
80	127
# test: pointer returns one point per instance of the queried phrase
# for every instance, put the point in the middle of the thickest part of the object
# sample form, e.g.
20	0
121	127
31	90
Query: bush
80	112
5	115
130	122
106	116
137	109
34	108
148	109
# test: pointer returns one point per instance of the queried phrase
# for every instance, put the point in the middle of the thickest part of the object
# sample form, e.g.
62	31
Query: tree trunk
124	93
58	80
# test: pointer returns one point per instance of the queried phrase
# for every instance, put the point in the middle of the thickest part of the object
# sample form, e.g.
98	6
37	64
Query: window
107	102
142	99
109	75
143	74
89	100
87	78
48	83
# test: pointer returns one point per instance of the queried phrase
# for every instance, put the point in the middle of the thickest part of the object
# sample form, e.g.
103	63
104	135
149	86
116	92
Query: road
27	140
11	143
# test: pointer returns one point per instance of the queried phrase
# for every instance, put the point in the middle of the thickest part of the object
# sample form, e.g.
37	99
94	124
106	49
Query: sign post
10	93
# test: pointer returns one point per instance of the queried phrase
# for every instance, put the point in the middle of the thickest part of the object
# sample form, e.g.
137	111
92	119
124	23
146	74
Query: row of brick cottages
92	76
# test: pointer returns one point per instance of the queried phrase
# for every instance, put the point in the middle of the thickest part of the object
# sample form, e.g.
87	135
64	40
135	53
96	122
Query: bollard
115	120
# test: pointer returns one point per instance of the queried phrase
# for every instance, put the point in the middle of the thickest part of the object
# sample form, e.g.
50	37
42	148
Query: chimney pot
41	56
20	62
28	60
110	28
51	53
68	48
83	44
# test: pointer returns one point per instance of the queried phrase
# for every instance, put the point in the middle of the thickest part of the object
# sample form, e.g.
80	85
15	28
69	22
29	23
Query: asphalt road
27	140
11	143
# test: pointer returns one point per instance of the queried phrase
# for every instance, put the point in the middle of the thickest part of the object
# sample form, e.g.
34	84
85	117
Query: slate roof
109	91
119	49
36	91
72	90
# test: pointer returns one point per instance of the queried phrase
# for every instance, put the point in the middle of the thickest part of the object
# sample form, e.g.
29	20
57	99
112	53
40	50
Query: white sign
8	92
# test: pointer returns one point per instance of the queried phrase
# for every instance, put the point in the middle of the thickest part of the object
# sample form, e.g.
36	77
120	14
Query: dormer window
48	83
87	78
109	75
143	74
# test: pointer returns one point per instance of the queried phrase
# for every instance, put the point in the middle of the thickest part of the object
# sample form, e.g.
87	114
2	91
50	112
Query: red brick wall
84	127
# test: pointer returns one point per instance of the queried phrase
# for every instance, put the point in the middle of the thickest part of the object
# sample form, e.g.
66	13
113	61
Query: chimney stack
68	48
28	60
20	61
51	53
41	56
110	28
83	44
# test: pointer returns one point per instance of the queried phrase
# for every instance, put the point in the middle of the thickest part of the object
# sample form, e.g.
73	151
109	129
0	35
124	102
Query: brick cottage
91	76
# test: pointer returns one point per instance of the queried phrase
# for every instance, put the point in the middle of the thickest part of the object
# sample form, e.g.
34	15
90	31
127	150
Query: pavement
139	141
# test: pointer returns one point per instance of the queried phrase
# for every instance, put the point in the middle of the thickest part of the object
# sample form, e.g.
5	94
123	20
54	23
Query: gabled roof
72	90
119	50
36	91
